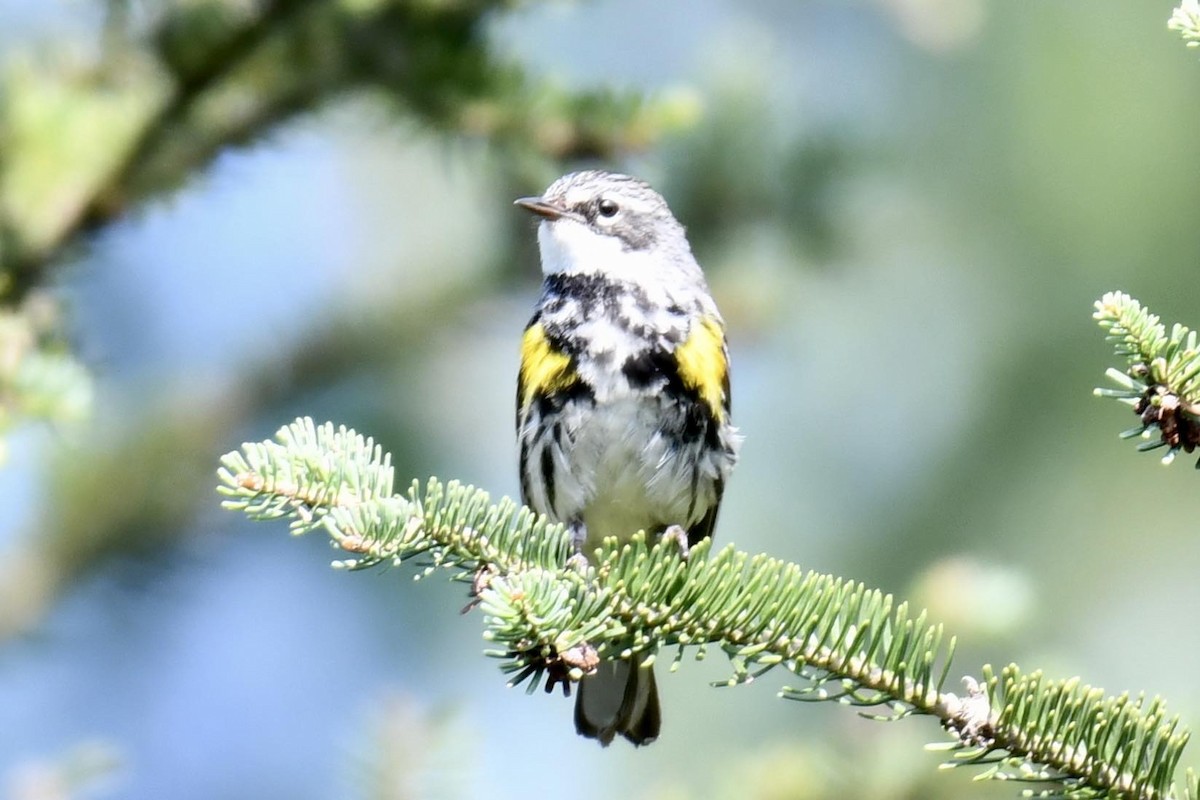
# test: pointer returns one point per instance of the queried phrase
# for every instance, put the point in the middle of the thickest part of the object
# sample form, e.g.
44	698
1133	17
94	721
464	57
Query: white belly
623	475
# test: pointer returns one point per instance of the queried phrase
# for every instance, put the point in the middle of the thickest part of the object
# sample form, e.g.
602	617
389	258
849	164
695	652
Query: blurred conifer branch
181	81
86	769
164	456
549	622
39	377
1186	20
1162	380
86	138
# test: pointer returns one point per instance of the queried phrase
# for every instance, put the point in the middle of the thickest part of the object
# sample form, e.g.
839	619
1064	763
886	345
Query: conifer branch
1162	380
549	621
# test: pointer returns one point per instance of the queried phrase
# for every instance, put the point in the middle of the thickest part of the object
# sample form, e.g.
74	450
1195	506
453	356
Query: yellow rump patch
702	365
544	370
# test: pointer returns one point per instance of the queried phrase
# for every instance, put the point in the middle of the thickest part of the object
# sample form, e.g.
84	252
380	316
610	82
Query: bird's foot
677	535
579	562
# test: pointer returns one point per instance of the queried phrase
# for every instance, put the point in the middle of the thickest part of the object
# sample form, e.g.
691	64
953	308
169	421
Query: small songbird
622	397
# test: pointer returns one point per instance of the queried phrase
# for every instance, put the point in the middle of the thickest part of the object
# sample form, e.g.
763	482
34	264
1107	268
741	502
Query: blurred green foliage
905	208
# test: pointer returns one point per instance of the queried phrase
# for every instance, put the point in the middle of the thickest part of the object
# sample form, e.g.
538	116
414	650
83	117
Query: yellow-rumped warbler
622	397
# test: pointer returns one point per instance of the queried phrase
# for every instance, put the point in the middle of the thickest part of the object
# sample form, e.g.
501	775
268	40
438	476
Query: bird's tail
621	697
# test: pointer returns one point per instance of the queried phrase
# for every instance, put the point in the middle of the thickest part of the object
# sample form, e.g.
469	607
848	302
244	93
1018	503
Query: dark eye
607	208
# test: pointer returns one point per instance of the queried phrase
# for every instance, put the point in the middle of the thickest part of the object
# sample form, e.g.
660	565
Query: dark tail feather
622	697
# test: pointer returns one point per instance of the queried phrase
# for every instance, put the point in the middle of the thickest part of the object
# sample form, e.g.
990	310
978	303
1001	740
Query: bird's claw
578	562
676	534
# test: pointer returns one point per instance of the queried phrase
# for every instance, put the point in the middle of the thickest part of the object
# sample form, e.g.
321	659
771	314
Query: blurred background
216	215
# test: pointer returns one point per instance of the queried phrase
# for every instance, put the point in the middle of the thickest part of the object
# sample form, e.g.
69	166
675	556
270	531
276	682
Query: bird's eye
607	208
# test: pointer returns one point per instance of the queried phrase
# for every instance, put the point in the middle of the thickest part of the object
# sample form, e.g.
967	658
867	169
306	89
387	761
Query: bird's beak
541	207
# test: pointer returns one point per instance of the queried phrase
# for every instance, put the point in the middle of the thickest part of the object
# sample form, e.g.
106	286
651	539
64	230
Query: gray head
603	222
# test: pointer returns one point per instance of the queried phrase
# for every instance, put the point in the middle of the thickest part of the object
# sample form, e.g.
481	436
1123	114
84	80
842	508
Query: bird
623	398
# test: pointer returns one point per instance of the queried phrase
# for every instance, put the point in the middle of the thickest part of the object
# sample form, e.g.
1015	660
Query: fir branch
549	621
1162	380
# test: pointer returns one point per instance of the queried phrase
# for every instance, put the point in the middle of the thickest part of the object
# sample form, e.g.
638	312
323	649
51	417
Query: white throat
568	246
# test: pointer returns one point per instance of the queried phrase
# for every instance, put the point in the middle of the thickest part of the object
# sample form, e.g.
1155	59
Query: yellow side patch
544	370
702	365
